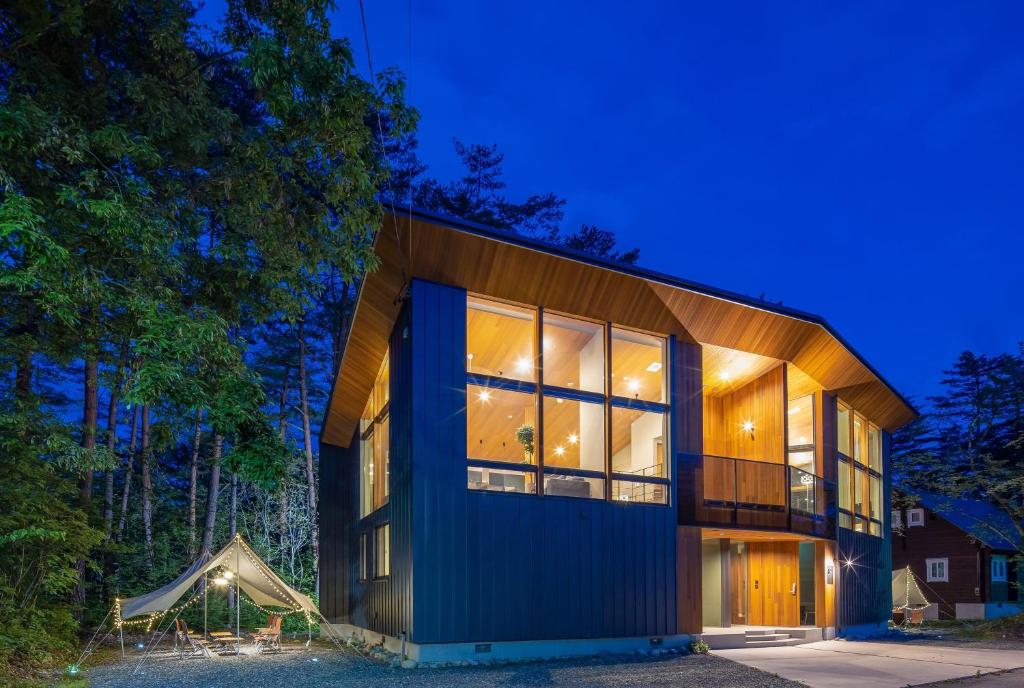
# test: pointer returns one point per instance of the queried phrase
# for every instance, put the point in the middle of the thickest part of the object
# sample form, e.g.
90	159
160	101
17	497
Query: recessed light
748	426
654	367
573	439
795	409
484	395
559	450
523	364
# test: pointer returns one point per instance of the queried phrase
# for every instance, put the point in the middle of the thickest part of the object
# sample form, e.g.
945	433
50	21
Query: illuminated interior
570	382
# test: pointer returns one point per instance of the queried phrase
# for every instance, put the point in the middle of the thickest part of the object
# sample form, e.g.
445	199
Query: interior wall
762	402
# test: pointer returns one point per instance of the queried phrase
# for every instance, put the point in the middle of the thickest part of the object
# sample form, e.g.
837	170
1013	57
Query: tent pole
206	594
120	628
238	604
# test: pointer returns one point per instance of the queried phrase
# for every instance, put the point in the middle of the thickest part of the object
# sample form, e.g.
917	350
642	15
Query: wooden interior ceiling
503	269
753	535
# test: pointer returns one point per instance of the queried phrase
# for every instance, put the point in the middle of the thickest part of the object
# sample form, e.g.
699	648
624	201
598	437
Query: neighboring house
529	451
962	552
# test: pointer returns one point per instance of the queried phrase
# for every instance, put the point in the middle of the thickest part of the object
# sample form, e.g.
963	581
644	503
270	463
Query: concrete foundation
511	650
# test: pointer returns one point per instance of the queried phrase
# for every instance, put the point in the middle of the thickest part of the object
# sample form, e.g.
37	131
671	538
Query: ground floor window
998	568
382	551
937	570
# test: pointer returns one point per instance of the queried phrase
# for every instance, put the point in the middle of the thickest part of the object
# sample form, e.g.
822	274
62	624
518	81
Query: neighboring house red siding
968	562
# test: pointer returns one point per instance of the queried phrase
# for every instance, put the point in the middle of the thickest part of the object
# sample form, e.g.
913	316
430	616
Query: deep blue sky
861	160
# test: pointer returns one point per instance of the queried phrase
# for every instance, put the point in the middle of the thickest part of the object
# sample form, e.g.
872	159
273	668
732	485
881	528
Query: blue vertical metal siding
490	567
865	591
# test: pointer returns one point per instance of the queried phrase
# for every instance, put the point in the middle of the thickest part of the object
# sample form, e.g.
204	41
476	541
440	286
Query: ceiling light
573	439
469	356
547	343
725	375
558	401
654	367
484	396
559	450
748	426
795	409
523	364
633	385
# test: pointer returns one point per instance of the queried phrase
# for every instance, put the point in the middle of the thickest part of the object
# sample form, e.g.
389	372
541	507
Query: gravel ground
323	665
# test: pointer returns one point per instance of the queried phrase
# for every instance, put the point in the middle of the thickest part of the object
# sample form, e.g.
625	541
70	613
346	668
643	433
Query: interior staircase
726	639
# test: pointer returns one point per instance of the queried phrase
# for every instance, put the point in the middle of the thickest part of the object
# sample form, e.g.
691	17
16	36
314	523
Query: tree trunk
108	482
90	409
193	476
206	547
307	441
122	522
23	375
282	423
147	489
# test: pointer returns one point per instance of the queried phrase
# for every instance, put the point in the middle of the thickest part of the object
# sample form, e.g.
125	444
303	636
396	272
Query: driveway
853	664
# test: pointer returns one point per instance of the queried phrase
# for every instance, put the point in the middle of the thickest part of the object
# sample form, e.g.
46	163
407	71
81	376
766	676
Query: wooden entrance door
773	583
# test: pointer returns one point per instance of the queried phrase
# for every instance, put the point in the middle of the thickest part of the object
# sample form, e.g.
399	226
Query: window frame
944	562
917	522
367	439
1003	562
541	390
364	555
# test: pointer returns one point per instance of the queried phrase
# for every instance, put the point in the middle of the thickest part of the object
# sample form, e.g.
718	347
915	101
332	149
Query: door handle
755	584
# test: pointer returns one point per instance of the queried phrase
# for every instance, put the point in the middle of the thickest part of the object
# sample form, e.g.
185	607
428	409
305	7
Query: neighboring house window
915	517
593	399
937	570
374	448
364	561
998	568
896	519
382	551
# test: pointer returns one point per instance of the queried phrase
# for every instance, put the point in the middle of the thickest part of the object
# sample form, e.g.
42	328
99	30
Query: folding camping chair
184	643
269	637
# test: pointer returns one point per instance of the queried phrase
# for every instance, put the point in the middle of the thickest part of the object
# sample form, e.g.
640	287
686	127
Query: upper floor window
999	568
800	433
501	340
860	471
638	366
843	417
586	418
375	444
915	517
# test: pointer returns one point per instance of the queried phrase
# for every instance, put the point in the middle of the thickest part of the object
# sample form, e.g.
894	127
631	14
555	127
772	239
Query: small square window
937	570
915	517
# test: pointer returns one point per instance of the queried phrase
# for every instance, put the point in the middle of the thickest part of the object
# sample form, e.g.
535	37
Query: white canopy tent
249	572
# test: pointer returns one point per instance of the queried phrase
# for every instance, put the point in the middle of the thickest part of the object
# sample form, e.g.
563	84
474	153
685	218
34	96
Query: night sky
854	159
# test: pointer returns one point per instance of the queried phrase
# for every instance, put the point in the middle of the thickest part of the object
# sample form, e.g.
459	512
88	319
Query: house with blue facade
533	452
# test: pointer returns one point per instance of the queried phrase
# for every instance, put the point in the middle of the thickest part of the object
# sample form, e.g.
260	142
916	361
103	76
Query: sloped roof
982	520
517	268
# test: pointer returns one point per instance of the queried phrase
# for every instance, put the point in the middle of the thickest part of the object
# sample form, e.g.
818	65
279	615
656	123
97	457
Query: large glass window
638	366
501	340
573	434
800	433
500	425
845	485
573	353
375	444
508	450
843	429
874	449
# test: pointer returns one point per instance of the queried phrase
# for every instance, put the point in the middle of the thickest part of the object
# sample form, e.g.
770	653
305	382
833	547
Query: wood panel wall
762	401
825	591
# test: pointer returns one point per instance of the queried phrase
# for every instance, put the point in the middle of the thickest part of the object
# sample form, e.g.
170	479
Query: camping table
225	638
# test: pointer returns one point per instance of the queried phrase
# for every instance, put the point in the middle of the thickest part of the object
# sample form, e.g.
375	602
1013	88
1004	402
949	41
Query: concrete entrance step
728	638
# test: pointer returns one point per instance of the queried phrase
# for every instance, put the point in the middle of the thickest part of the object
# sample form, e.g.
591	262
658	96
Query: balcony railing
758	494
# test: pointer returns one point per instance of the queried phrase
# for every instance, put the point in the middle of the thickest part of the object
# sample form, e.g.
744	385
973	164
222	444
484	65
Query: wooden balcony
740	493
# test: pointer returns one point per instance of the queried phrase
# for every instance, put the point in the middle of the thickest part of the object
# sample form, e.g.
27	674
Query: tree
970	444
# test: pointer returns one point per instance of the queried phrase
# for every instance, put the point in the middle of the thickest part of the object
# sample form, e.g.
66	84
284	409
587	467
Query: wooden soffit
419	249
491	263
